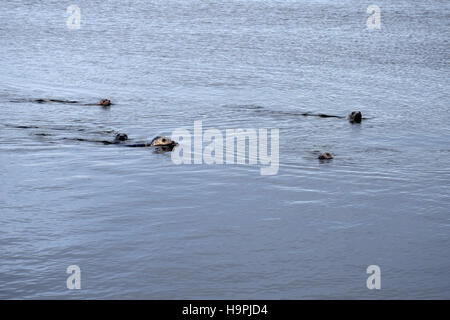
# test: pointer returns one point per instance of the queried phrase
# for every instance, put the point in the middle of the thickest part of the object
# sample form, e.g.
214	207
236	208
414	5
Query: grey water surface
139	226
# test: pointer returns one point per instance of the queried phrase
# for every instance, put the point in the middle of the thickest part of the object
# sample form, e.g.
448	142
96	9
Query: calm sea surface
140	226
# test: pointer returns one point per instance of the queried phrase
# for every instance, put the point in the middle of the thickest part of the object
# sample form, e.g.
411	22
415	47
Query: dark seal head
355	116
120	137
104	102
325	156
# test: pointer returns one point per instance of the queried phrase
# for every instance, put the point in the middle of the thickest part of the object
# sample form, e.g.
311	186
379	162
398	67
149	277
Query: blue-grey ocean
140	226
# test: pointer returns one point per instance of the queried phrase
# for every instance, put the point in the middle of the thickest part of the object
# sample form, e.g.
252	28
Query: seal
355	117
104	103
120	137
158	141
325	156
162	141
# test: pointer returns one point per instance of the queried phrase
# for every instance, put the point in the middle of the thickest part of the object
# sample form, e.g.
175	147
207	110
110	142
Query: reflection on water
140	226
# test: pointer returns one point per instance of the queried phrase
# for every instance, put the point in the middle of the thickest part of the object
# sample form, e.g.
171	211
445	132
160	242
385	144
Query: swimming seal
159	143
162	143
120	137
325	156
103	102
355	117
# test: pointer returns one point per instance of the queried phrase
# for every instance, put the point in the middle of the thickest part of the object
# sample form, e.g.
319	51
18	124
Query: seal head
355	116
120	137
105	102
162	141
325	156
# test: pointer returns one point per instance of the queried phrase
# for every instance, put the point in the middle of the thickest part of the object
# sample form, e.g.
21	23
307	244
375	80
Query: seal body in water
103	102
355	117
160	143
325	156
54	100
119	138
